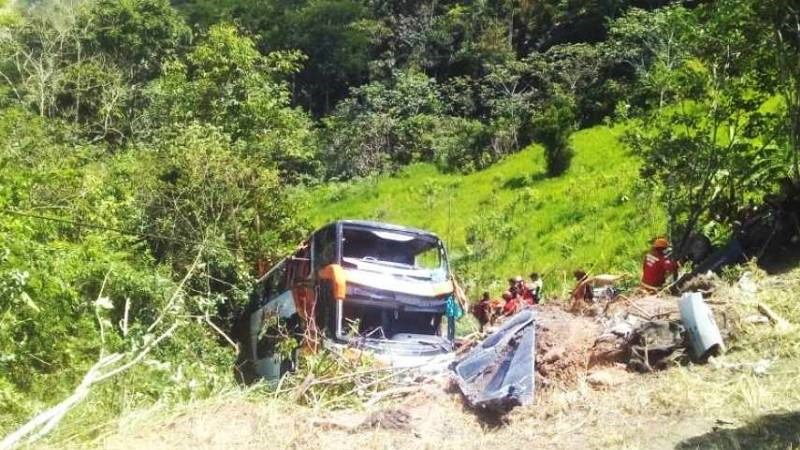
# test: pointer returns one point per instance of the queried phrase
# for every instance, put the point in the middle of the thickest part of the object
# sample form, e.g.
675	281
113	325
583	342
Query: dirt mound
564	344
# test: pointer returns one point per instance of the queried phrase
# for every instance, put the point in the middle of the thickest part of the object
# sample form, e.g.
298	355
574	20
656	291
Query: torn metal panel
498	374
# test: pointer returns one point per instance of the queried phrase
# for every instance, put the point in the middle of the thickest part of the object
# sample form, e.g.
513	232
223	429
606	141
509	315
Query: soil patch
564	343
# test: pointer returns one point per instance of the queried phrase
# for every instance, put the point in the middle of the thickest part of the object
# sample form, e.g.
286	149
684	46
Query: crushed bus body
355	284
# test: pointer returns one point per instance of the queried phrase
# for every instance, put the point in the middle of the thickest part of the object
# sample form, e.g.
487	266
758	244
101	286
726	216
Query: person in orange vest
657	265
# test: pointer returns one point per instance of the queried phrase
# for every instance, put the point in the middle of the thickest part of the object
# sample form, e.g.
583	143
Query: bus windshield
419	254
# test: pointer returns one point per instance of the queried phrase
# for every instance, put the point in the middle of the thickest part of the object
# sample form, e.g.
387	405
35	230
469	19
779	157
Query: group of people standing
518	295
657	267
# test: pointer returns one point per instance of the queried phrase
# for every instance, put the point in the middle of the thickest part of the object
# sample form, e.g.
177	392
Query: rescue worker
512	304
512	287
583	290
657	265
483	311
525	295
535	287
497	305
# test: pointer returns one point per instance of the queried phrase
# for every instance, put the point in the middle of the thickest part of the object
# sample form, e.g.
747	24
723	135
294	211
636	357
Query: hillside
746	398
593	217
155	154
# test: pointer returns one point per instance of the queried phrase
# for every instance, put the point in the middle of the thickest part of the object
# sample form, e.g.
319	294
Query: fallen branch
402	390
639	309
301	390
780	323
221	333
105	368
48	419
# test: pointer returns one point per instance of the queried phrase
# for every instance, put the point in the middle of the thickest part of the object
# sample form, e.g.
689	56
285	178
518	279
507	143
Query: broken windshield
416	255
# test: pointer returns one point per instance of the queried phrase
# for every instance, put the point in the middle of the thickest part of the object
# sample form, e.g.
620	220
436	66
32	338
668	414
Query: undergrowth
511	218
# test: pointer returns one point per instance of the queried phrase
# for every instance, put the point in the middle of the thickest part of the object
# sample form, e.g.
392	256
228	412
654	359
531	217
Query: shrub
552	129
461	146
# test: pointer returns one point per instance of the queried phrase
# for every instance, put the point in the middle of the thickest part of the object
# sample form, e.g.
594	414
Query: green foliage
224	81
109	192
720	148
137	34
711	155
552	130
133	146
654	44
507	219
382	126
463	146
196	188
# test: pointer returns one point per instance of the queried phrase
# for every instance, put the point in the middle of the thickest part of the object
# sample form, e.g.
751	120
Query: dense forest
151	152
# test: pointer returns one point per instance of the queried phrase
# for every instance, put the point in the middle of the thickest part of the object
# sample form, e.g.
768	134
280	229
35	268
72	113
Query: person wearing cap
657	265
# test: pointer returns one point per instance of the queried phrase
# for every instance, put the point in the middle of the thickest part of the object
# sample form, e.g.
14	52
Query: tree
382	126
197	187
655	44
552	129
783	20
711	154
137	35
508	94
226	82
34	52
52	61
329	33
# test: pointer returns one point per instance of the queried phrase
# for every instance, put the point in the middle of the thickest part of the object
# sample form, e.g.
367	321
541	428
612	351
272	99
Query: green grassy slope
593	217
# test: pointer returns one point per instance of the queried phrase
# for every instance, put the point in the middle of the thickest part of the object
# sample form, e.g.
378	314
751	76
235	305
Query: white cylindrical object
704	336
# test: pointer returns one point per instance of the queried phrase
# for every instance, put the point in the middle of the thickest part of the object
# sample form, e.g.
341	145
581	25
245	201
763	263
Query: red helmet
660	243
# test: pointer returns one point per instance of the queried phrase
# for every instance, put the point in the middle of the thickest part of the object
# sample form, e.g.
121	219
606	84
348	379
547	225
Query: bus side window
300	265
324	247
276	282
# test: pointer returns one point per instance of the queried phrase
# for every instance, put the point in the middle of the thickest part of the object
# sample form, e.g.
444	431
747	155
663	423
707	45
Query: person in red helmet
657	265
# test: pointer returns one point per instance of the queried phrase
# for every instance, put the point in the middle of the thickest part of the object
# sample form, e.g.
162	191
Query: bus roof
383	226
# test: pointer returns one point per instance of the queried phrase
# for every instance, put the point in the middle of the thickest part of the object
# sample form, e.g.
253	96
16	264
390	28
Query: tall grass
596	216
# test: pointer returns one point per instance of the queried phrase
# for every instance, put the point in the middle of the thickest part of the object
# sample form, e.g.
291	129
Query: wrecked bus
355	284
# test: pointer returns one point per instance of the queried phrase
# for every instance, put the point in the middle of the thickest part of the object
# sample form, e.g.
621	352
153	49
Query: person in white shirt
535	287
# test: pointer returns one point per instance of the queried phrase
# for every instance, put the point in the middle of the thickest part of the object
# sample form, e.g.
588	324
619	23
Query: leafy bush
462	146
552	129
383	126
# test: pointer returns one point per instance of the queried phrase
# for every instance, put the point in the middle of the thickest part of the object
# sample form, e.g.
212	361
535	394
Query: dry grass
723	405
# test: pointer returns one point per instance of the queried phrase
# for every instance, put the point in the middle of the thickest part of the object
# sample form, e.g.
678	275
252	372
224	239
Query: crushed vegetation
748	395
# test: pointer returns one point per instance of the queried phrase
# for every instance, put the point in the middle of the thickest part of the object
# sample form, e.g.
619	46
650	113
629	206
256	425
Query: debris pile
641	335
563	344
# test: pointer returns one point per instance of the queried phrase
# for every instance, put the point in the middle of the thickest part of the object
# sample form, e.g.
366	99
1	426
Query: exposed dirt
564	344
563	420
585	398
